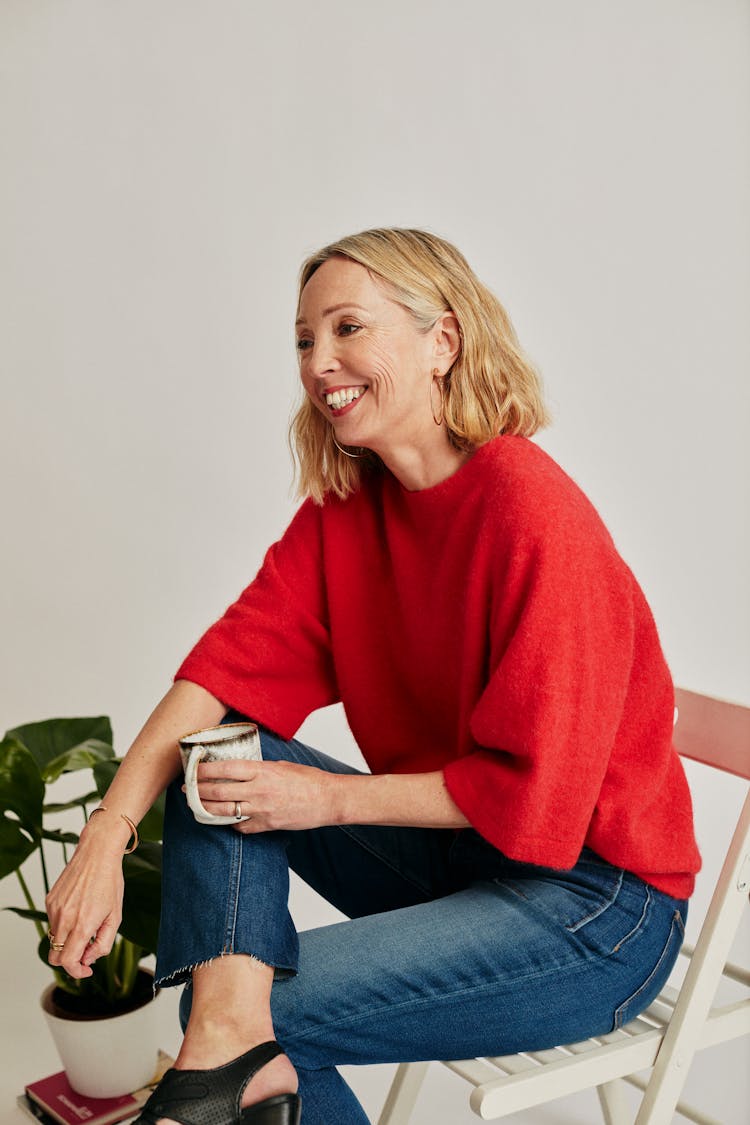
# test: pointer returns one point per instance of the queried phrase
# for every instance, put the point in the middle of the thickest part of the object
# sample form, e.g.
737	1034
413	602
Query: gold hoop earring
440	380
354	456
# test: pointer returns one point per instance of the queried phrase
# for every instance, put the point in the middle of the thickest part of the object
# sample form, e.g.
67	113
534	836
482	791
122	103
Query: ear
446	339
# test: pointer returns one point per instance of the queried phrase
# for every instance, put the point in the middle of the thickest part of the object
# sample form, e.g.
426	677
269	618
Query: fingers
67	950
77	949
221	794
234	770
250	827
84	911
239	810
100	945
230	780
276	795
225	793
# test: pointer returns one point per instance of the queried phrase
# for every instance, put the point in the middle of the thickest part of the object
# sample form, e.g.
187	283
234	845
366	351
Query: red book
60	1101
31	1109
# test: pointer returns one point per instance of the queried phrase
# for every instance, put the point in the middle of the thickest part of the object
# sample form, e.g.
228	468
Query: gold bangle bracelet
134	830
128	821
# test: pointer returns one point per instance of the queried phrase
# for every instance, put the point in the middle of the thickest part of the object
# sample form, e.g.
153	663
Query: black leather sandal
212	1097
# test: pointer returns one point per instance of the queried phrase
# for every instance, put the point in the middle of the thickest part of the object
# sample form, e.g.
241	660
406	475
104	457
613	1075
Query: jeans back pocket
664	954
602	905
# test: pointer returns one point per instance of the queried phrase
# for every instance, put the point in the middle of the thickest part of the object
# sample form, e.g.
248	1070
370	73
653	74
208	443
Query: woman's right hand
84	907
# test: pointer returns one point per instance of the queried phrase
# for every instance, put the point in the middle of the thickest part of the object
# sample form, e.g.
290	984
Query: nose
321	359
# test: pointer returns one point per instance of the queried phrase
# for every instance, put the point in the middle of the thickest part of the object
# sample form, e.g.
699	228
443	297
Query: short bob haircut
491	389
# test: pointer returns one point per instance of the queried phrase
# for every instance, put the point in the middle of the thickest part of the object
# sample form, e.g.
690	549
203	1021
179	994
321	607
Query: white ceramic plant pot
105	1057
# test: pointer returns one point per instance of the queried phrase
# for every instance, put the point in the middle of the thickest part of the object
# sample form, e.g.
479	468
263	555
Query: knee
273	747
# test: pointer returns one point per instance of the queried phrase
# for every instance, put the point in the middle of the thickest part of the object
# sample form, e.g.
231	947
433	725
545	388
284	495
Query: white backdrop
166	165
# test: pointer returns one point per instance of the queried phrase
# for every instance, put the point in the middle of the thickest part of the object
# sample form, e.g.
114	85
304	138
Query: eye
303	344
348	328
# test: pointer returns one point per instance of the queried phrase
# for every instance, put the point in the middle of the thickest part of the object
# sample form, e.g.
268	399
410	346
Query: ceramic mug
216	744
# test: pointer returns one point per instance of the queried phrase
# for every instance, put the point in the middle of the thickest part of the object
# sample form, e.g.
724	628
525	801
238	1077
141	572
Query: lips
338	399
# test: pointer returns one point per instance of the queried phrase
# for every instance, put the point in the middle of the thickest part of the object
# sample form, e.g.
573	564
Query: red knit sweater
486	627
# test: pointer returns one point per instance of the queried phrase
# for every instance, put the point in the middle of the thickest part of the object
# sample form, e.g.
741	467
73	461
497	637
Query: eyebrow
332	309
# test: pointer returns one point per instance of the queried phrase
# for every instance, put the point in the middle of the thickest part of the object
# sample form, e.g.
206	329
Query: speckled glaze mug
228	742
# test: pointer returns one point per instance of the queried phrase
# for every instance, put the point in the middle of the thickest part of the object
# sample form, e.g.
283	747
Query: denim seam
619	1021
233	895
600	909
572	927
512	888
639	923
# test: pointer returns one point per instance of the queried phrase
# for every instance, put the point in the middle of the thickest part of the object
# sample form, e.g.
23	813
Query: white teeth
337	399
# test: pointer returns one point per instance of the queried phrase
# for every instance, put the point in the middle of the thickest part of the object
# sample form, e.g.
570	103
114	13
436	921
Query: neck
416	469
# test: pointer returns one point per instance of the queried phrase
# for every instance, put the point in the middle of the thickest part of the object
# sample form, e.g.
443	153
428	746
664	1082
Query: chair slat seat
652	1052
475	1071
566	1075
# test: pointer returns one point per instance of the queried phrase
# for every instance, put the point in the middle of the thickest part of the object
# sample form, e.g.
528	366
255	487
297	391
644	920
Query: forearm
153	760
418	800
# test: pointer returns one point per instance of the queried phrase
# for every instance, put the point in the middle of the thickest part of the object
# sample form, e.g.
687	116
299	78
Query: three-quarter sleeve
566	704
269	655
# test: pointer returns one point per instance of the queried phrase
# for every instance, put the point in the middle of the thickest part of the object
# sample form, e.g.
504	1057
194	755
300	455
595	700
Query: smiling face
364	362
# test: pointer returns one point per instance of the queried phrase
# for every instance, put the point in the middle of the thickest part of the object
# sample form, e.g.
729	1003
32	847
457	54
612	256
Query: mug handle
191	786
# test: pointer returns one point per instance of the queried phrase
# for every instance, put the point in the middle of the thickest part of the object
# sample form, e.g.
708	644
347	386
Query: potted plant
32	758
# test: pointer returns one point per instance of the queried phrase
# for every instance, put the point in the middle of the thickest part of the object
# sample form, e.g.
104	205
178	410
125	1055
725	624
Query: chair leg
403	1094
614	1103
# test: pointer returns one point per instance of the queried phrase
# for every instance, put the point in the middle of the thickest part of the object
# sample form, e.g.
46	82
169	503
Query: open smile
340	400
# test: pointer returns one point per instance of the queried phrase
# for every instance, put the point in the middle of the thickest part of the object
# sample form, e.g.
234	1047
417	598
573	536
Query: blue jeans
450	949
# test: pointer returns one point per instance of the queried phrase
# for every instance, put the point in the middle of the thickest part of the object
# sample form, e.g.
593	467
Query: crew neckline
444	489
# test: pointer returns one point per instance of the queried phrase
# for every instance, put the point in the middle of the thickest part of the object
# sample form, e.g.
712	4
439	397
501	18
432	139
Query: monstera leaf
63	745
21	796
140	908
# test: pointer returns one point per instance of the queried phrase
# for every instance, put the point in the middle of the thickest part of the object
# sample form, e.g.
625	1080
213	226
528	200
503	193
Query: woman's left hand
274	795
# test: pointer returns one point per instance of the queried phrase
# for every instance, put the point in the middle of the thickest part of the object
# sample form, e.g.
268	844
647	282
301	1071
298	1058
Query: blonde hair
492	388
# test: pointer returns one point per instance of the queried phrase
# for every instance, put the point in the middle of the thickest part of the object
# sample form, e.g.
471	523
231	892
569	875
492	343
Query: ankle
247	1027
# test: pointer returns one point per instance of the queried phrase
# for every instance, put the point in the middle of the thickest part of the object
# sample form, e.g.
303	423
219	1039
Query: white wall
165	167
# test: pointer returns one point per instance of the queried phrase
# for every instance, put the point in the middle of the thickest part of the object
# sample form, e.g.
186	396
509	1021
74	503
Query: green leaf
75	803
53	738
84	756
21	787
58	836
151	827
152	824
140	910
22	912
15	846
43	950
62	980
104	773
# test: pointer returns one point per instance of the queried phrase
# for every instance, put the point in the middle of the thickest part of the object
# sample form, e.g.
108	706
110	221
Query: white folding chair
683	1019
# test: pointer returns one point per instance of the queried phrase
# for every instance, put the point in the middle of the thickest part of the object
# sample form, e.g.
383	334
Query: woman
516	867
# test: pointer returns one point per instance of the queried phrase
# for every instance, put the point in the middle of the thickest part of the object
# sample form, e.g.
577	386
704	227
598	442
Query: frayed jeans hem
184	975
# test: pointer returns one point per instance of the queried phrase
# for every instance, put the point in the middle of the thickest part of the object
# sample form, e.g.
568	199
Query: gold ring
57	945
